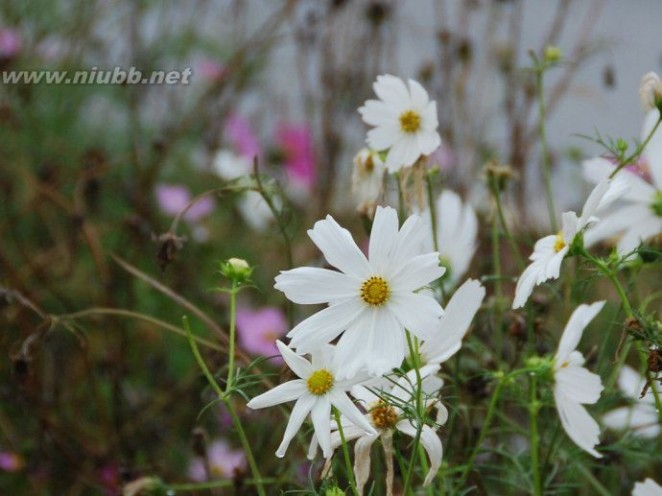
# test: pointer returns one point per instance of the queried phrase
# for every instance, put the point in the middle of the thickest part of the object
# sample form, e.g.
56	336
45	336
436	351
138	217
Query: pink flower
259	329
443	157
223	462
297	144
10	43
242	137
210	70
11	462
172	199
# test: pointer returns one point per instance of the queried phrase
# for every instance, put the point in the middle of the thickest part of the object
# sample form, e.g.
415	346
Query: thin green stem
433	211
345	451
233	319
534	407
504	227
413	352
544	150
638	150
498	289
201	363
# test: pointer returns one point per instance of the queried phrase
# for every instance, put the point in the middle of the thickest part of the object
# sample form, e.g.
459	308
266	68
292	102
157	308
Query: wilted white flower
638	216
549	252
457	231
458	314
367	180
647	488
650	91
641	415
371	301
405	121
575	386
315	392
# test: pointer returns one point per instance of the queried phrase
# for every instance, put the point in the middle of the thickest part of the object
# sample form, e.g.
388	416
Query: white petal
419	97
364	396
377	113
593	201
427	142
419	313
308	285
362	460
320	414
574	329
643	229
393	91
578	384
409	242
382	236
526	283
298	415
339	248
653	150
647	488
430	441
389	345
383	137
282	393
297	364
577	423
342	402
630	382
418	272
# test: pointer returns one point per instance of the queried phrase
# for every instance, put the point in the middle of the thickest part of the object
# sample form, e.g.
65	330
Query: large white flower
638	216
371	301
405	121
549	252
641	415
384	406
457	230
455	322
574	385
316	391
647	488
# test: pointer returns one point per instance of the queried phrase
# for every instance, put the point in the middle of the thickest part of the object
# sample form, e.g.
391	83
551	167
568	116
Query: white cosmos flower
405	121
316	391
641	415
367	180
638	216
549	252
386	415
371	301
457	230
455	322
647	488
575	386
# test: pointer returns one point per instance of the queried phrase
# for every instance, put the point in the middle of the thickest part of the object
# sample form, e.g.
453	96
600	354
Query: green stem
433	211
233	319
544	151
345	451
534	407
413	352
504	227
498	289
638	150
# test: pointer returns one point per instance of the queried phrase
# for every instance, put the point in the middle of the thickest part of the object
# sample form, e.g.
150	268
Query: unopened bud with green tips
553	54
236	269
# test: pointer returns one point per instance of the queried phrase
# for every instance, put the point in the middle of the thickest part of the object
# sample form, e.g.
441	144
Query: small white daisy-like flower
638	216
575	386
367	180
549	252
641	415
315	392
405	121
455	322
457	231
386	415
647	488
371	301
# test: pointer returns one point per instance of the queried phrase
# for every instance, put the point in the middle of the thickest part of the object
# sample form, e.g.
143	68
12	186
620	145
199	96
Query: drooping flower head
367	180
317	389
405	121
575	386
371	301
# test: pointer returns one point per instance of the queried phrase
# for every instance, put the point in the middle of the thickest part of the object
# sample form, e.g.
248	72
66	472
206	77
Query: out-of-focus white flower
371	301
367	180
549	252
315	392
650	91
457	230
405	121
252	206
386	415
458	314
647	488
641	415
638	216
574	385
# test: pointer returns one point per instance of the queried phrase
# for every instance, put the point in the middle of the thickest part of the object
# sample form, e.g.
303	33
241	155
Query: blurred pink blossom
11	462
297	144
172	199
223	462
244	141
209	69
443	157
10	43
259	329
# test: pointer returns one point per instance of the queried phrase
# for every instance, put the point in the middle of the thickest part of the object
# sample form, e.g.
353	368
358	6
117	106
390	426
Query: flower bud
553	54
650	91
367	180
236	269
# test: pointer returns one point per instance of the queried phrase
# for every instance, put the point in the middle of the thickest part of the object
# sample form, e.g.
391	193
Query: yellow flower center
559	244
383	415
320	382
375	291
410	121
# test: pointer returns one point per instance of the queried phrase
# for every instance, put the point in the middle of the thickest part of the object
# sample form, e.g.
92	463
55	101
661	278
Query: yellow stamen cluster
383	415
320	382
410	121
559	244
375	291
